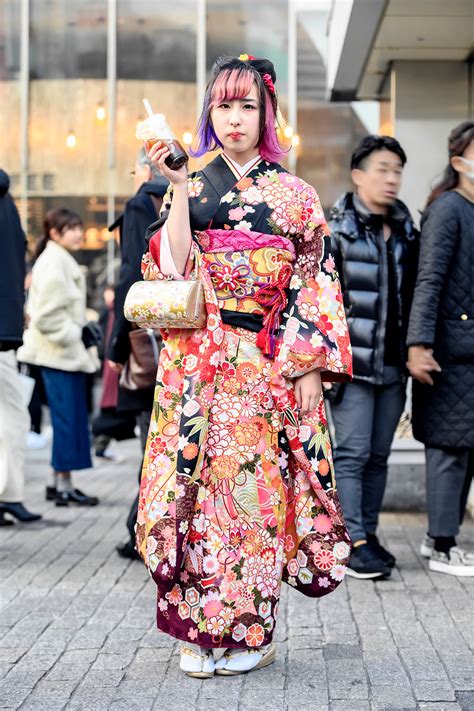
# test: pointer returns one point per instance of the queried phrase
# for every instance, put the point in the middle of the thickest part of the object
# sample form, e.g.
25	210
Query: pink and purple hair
231	79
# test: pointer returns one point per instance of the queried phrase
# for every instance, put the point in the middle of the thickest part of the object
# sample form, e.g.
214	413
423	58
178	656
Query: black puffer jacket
361	259
442	317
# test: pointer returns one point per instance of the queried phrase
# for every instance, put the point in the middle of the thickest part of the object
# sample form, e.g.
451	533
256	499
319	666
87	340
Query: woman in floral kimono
238	490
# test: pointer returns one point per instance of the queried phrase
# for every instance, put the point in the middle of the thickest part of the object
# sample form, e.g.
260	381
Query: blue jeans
365	421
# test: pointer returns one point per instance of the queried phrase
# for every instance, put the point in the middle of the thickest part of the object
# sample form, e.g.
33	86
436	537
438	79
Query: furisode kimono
237	490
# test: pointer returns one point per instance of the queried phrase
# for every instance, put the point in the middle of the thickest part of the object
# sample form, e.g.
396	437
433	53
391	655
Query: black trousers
143	422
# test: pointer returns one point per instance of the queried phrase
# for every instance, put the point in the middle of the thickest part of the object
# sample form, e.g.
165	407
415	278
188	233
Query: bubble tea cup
155	130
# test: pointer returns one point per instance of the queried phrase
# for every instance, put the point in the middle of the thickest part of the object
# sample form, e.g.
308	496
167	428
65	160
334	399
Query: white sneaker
199	665
457	563
109	456
427	546
35	440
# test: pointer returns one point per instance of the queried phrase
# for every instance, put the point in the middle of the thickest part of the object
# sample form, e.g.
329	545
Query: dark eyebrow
391	162
248	98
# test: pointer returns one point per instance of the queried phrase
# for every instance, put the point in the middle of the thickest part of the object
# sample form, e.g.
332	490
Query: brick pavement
77	624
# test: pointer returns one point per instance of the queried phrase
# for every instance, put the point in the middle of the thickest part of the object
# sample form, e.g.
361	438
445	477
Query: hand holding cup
159	153
162	147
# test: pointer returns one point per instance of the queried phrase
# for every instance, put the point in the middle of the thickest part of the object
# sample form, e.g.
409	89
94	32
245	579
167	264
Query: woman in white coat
59	341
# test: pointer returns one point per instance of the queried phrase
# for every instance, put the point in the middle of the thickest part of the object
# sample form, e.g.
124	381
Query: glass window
234	27
10	129
68	39
328	132
156	59
68	147
156	40
9	39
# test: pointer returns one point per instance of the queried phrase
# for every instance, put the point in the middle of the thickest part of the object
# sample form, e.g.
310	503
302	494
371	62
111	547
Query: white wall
428	100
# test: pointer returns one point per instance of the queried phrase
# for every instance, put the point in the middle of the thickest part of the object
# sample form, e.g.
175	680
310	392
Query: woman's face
71	238
465	164
236	122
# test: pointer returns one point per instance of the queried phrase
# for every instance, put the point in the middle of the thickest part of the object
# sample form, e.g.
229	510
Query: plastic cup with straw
155	129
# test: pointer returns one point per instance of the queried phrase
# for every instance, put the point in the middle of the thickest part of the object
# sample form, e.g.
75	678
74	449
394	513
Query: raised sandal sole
267	659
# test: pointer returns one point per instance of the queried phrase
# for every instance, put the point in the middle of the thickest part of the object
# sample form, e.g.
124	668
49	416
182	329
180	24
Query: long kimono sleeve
151	266
158	262
314	333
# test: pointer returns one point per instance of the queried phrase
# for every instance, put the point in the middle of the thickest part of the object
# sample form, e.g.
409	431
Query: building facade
73	74
416	58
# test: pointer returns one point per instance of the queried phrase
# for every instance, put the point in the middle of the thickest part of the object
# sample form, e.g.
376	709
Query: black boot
128	550
5	521
19	511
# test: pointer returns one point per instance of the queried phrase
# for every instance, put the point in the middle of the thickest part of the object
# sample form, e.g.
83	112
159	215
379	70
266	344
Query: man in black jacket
140	211
14	418
375	246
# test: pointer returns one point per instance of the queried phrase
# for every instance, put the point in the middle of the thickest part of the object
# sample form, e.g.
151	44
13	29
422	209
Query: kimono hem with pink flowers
238	489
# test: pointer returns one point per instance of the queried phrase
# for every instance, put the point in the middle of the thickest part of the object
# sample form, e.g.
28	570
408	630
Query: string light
187	138
295	140
288	131
71	140
100	112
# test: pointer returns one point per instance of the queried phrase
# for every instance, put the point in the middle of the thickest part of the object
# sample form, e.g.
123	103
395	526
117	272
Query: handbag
139	372
167	303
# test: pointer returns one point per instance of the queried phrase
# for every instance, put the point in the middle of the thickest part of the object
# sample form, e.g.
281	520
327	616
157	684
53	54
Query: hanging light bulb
295	140
187	138
100	112
288	131
71	140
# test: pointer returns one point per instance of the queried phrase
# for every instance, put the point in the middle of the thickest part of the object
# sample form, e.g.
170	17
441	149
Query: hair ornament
269	82
246	57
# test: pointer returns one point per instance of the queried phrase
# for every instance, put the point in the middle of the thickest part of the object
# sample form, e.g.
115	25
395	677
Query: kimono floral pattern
238	492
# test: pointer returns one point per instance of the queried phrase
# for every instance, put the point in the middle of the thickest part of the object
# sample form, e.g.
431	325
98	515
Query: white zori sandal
241	661
200	664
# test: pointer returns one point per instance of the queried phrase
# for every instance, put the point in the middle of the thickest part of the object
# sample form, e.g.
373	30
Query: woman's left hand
308	391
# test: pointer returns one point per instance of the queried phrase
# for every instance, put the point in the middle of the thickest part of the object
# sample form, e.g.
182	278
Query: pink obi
236	240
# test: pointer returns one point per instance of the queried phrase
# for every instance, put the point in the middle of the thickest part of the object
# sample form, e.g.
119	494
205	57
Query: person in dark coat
140	211
109	424
441	354
375	245
14	417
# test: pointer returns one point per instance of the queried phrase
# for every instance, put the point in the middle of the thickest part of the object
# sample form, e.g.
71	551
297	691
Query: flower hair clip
268	81
246	57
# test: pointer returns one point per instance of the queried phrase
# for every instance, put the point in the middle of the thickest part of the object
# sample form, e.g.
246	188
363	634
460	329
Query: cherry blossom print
254	636
252	196
195	187
338	572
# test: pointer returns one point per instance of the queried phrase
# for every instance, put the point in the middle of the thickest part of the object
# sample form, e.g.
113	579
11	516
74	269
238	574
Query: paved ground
77	624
